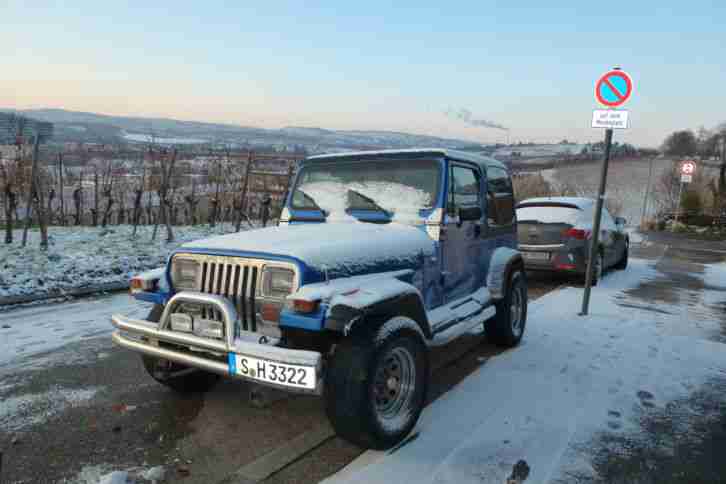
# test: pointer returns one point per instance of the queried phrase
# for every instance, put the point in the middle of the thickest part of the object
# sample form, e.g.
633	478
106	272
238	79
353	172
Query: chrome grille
235	280
238	279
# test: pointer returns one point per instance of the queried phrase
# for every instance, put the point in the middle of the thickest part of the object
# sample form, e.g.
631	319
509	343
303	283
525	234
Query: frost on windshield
335	198
398	189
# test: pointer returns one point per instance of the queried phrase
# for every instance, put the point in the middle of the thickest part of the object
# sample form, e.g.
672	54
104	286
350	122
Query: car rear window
548	214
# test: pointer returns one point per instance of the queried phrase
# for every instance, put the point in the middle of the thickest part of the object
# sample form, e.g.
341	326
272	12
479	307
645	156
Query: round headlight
277	282
184	274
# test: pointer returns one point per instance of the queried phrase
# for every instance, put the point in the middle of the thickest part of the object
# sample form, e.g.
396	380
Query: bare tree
8	199
167	170
138	194
214	201
60	190
665	191
108	195
35	199
78	201
94	210
241	203
191	200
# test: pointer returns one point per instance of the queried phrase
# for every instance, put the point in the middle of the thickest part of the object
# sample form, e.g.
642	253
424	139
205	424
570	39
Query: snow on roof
579	202
453	154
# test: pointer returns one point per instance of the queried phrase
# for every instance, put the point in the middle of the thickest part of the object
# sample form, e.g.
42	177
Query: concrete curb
79	292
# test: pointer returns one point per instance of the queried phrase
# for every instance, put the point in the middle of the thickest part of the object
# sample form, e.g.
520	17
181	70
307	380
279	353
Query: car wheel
180	378
376	383
623	262
507	327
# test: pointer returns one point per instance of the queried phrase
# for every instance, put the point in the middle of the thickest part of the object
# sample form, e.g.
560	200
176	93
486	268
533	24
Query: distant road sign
614	88
686	178
688	168
610	118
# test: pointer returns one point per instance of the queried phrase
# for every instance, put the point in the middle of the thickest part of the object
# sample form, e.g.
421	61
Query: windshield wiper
310	200
373	203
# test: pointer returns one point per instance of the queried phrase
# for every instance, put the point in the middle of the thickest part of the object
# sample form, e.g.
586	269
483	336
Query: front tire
376	384
178	377
507	327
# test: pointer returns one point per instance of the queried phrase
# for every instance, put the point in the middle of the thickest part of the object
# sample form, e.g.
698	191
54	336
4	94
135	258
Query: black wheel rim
394	385
516	311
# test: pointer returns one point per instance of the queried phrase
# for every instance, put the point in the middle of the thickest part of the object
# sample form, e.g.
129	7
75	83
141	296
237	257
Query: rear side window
500	197
548	214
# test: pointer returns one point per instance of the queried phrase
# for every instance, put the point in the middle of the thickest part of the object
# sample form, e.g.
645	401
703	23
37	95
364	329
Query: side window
500	197
463	188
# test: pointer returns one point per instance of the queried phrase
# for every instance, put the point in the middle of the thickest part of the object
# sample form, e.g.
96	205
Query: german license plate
295	376
536	255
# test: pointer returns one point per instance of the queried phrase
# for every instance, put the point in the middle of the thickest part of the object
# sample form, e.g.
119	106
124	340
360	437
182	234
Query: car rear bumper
212	355
553	258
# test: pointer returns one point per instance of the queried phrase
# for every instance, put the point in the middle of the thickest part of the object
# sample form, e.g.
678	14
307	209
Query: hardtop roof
402	153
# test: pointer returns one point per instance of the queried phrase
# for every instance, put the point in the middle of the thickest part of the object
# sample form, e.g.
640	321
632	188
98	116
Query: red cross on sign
688	168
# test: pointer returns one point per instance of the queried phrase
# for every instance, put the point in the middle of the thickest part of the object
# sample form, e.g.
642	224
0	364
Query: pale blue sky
529	65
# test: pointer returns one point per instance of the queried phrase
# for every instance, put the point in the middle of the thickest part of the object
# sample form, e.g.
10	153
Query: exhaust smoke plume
467	116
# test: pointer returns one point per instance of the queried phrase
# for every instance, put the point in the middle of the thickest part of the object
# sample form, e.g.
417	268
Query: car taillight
578	234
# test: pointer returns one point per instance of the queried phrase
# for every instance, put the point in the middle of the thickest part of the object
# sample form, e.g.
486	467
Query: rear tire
507	327
376	384
623	262
178	377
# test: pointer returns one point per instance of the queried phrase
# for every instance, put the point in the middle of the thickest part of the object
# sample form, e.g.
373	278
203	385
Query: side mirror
469	213
620	221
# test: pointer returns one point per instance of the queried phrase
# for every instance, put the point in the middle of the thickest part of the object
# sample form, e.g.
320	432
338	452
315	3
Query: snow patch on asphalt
79	257
100	474
39	329
571	379
715	276
23	411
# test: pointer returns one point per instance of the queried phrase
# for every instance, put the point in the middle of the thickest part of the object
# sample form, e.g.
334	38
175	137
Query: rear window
548	214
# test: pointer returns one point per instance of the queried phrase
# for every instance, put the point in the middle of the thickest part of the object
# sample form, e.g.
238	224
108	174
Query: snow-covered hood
343	249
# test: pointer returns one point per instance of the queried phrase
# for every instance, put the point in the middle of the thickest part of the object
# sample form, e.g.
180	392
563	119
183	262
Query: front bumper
213	355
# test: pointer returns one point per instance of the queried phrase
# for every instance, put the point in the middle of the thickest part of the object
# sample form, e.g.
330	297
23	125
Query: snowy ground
39	329
572	381
81	257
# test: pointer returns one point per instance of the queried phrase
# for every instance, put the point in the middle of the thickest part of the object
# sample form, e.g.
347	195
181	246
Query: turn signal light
138	284
578	234
302	305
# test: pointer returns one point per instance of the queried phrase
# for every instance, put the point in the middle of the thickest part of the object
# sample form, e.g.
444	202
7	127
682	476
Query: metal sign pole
678	207
596	224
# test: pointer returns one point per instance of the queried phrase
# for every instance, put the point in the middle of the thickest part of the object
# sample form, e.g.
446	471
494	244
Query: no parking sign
614	88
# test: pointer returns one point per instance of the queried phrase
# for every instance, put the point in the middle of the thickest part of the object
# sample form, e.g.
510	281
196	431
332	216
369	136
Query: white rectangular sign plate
609	118
686	178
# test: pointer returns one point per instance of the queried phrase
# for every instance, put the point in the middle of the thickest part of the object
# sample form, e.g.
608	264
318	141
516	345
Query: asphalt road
75	406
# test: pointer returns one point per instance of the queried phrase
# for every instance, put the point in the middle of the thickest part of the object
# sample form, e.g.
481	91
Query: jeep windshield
380	189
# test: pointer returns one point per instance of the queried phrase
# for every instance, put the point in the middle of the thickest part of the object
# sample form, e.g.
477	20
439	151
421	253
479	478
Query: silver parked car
555	233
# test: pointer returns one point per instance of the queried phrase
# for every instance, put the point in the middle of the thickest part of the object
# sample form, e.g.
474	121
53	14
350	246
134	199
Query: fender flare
501	264
346	312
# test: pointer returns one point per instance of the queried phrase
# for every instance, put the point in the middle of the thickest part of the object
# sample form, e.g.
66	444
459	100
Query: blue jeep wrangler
378	256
